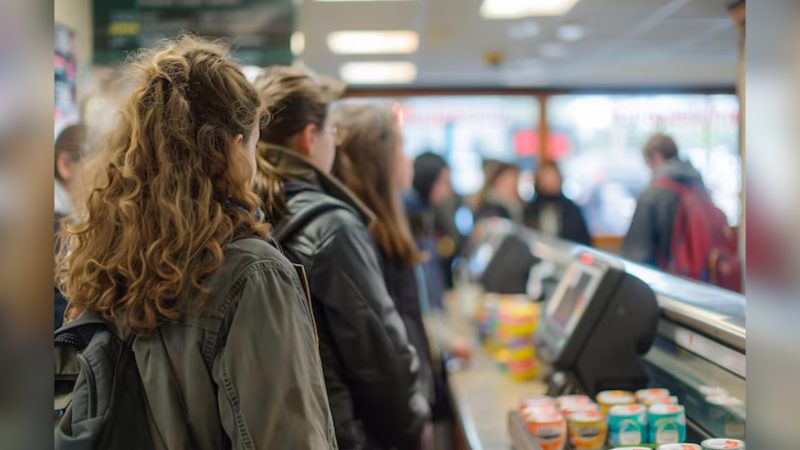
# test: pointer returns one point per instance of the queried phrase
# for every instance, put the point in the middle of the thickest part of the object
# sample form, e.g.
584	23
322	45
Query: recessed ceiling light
298	43
553	50
524	30
395	72
515	9
372	42
342	1
571	32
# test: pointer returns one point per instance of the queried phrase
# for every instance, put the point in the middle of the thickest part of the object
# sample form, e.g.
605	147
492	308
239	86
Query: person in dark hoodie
371	370
649	237
430	188
551	212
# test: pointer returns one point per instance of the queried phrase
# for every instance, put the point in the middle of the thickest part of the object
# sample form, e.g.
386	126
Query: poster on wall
66	101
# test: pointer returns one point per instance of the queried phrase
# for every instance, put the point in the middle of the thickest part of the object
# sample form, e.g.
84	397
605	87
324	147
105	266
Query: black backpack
100	402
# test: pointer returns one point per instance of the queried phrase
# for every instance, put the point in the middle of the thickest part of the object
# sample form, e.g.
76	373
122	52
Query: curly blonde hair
172	192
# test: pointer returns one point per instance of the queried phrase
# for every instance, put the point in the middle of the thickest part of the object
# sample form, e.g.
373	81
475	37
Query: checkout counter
682	335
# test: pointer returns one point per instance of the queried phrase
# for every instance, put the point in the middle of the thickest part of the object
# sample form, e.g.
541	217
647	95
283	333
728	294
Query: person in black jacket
551	212
371	369
371	162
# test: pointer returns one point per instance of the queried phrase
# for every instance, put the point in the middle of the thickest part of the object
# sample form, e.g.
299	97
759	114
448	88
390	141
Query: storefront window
597	140
465	130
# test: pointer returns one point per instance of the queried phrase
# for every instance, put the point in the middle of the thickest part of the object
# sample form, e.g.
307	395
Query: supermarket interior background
584	89
542	326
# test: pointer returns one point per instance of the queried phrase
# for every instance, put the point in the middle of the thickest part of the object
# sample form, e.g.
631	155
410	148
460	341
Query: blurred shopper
70	147
371	370
429	189
171	250
371	162
551	212
676	226
499	196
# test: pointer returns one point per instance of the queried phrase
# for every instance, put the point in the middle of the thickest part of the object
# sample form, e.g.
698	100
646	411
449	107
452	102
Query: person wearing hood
551	212
371	369
430	192
649	238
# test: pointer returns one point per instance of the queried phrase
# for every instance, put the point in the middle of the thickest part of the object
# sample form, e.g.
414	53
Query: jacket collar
300	169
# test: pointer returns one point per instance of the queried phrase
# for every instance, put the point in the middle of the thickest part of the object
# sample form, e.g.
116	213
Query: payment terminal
596	326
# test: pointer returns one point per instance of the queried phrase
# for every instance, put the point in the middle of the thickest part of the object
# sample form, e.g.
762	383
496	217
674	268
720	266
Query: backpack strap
79	332
671	185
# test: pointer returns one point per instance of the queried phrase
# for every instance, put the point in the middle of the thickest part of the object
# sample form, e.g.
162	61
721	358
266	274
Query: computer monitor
574	307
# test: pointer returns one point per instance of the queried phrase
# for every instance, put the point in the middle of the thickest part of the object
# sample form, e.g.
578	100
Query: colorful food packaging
681	446
573	408
627	425
717	444
549	430
607	399
671	400
646	394
587	431
667	424
573	399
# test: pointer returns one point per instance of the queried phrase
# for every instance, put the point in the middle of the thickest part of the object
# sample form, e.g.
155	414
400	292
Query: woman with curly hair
171	250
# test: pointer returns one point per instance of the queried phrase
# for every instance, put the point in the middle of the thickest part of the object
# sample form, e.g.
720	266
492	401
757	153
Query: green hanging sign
259	30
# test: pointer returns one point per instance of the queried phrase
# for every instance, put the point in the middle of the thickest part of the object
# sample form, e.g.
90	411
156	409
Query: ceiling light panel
571	32
360	1
395	72
515	9
372	42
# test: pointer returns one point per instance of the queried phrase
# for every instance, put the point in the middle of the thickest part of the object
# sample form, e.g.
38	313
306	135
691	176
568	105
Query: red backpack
703	245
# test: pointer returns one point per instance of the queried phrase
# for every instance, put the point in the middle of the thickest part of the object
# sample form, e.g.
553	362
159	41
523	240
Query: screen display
572	296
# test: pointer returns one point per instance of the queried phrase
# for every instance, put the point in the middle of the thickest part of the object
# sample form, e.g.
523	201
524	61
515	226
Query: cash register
596	326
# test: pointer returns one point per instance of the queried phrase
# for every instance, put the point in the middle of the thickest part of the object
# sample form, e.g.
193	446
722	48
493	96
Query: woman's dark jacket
371	370
572	226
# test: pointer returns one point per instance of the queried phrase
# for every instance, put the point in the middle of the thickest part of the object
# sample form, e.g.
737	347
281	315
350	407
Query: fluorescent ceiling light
297	43
372	42
571	32
515	9
342	1
397	72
